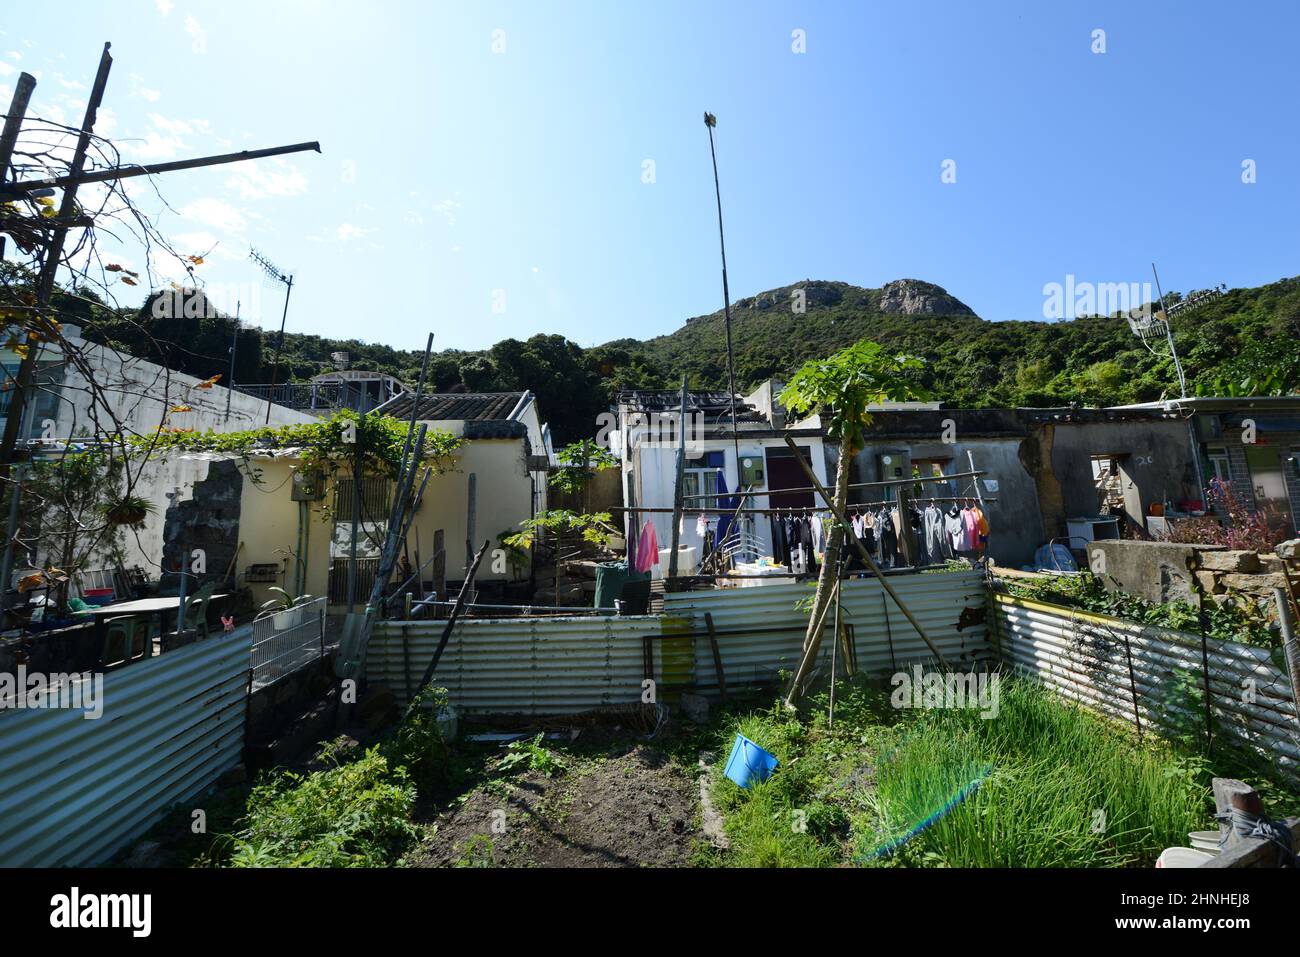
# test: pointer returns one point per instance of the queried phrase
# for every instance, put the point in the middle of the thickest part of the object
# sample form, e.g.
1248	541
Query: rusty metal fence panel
1086	658
74	791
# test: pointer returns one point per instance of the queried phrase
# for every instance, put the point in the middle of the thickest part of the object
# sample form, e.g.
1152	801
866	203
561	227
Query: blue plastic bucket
749	762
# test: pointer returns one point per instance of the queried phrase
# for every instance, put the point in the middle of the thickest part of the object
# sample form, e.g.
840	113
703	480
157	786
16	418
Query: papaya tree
841	389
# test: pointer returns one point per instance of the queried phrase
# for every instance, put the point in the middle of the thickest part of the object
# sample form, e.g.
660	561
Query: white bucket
1183	857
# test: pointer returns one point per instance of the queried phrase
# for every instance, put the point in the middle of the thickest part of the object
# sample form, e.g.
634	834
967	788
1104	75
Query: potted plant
288	610
130	510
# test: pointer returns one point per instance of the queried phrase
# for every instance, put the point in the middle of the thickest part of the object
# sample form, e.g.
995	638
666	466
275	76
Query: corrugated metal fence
518	665
568	665
1084	658
75	791
760	631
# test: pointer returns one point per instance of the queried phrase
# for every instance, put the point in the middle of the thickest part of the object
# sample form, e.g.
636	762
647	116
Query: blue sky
486	155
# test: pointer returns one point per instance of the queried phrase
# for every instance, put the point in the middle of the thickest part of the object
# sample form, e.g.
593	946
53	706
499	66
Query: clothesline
852	485
783	510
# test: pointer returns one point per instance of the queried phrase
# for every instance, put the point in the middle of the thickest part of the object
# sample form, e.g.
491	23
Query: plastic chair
196	609
127	638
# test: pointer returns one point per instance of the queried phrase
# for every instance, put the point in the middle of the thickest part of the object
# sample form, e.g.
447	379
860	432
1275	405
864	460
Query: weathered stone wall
1196	574
209	520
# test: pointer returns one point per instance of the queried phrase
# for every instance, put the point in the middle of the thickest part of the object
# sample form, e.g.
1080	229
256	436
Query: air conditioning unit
307	487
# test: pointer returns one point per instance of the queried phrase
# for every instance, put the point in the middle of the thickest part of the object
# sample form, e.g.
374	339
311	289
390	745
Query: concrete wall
503	496
1015	528
1158	466
269	525
263	525
141	395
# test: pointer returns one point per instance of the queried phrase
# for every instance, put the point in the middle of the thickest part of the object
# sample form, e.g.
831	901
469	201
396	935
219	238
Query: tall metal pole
711	121
8	140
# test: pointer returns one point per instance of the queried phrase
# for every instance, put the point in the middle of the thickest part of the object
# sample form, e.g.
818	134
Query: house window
1218	465
928	468
1294	461
701	478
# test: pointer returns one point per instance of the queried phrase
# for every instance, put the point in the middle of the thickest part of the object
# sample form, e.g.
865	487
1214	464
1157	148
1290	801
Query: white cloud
164	6
139	89
347	232
198	35
166	139
216	214
259	179
69	84
447	207
6	69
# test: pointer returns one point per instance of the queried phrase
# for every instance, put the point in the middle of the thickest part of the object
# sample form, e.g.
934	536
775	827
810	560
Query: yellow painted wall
268	520
504	499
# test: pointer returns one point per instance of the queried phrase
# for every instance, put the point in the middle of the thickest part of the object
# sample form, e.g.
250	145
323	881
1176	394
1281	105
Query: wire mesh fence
286	640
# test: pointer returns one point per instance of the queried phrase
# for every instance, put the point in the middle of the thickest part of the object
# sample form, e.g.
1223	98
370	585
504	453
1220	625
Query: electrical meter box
751	469
895	464
307	487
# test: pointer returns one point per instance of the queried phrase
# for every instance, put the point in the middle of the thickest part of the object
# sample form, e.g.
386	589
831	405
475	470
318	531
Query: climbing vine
325	446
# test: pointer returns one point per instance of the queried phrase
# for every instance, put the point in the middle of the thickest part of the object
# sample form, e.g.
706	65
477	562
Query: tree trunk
825	584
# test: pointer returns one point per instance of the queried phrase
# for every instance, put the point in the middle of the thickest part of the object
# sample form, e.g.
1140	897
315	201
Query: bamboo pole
866	556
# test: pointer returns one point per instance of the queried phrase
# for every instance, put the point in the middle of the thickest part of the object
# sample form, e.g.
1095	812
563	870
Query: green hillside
1245	343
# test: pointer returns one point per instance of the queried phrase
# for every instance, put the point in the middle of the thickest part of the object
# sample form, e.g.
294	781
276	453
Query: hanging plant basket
129	511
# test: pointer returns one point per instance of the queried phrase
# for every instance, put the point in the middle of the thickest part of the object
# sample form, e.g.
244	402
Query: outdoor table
139	606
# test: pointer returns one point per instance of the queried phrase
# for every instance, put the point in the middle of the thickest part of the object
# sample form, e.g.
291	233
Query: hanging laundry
780	546
954	529
888	539
726	505
647	551
701	525
937	545
970	530
982	528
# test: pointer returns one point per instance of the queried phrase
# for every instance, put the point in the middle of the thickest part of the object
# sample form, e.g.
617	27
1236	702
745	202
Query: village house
262	521
1066	475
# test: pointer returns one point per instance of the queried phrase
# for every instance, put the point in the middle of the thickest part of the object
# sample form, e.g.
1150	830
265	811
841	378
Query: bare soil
627	807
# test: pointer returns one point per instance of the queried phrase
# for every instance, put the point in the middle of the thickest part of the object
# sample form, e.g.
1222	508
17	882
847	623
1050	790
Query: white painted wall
141	395
654	470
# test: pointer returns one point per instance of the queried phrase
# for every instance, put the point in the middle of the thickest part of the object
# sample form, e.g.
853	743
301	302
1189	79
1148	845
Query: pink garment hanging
970	530
647	549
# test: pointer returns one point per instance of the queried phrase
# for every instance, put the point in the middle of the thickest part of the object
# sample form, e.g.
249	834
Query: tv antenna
1151	329
275	273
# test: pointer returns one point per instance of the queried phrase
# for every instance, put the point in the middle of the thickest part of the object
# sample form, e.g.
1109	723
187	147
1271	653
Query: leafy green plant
841	388
354	815
579	461
1239	621
284	601
531	755
479	851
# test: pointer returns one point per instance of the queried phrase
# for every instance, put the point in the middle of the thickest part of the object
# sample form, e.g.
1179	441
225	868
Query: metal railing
284	641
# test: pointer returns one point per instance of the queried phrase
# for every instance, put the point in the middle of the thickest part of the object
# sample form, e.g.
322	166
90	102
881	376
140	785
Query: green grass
1057	786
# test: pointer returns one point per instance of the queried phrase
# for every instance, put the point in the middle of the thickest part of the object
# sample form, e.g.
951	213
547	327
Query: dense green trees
1247	342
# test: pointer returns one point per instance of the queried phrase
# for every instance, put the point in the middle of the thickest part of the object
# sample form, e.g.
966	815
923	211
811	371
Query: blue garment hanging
726	506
